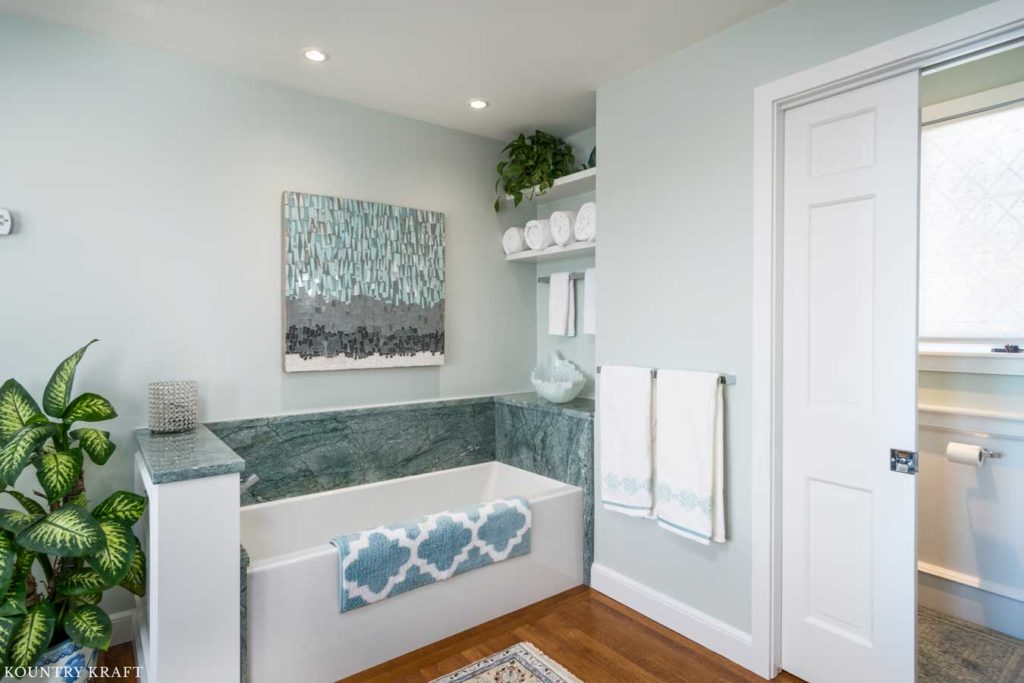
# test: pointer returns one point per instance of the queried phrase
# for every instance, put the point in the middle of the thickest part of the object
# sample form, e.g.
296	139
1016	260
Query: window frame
958	354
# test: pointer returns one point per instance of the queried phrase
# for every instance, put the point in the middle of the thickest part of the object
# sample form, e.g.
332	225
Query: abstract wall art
363	284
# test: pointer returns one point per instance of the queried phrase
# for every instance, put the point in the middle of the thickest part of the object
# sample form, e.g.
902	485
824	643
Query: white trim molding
989	424
972	581
986	27
714	634
122	623
976	359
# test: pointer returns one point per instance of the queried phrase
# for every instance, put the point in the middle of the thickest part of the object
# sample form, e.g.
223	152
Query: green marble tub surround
188	455
244	566
299	454
578	407
554	440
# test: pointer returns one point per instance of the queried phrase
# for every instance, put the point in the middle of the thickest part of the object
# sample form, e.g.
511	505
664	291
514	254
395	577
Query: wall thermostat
6	222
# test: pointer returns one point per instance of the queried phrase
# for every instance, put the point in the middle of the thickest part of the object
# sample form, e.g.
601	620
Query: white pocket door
849	385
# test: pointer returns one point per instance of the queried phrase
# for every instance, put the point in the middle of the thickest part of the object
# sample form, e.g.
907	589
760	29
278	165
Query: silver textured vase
173	406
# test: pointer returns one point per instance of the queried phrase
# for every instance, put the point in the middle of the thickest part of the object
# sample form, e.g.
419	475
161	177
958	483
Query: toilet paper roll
965	454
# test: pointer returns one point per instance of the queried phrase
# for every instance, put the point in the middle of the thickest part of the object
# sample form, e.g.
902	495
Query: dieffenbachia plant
59	553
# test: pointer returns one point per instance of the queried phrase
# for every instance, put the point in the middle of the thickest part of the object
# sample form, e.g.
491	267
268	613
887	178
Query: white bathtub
295	631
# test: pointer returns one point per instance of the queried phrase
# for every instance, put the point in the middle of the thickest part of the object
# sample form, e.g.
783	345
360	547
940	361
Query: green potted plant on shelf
533	164
59	551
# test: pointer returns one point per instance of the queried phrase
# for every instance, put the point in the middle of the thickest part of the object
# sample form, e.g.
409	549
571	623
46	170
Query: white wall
675	256
147	191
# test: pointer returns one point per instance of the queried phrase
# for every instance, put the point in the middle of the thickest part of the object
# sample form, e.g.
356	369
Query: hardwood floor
119	656
594	637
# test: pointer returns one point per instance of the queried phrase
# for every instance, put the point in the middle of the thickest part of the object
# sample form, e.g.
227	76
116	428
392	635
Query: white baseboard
715	635
123	630
972	581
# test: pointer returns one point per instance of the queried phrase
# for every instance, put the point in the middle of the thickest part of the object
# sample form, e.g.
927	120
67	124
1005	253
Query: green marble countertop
579	407
189	455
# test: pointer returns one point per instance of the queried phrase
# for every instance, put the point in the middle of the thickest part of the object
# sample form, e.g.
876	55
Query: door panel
849	385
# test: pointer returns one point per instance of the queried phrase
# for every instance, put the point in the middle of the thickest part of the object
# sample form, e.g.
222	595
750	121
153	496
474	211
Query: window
972	224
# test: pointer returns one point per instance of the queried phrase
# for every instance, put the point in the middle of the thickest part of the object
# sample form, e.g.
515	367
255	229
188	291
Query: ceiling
985	72
538	62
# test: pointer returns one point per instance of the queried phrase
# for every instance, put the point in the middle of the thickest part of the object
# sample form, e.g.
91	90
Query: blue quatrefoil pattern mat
383	562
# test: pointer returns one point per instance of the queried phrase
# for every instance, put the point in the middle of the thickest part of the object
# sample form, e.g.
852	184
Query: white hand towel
562	306
626	433
563	225
538	234
586	223
690	491
590	301
513	240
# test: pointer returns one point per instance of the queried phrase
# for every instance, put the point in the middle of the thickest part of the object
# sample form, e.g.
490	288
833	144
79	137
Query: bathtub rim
267	563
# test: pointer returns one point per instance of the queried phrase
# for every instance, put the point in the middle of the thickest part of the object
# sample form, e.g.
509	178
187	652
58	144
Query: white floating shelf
566	186
552	253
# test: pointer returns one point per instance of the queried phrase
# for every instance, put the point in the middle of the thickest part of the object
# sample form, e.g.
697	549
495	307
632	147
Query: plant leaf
18	451
82	582
58	389
121	506
89	625
16	520
135	580
69	531
114	560
79	499
30	505
13	601
17	409
8	625
33	634
95	443
8	561
87	599
58	472
89	407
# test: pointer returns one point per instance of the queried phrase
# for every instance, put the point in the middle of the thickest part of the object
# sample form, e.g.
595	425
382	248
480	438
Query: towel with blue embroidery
383	562
689	457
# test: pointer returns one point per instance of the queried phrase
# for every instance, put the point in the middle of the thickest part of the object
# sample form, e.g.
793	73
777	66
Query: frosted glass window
972	227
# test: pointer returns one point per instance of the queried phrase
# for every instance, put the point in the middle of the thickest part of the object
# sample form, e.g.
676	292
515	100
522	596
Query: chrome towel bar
722	377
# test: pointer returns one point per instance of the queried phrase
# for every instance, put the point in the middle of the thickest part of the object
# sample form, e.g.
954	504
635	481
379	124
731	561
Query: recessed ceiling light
477	103
314	54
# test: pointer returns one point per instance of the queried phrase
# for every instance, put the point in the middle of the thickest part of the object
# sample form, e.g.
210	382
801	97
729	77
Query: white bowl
558	380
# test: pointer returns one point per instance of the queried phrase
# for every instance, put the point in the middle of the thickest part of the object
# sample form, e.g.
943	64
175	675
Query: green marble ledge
188	455
555	440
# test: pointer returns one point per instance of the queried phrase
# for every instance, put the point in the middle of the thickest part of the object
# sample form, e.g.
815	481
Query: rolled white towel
563	225
586	223
538	234
513	240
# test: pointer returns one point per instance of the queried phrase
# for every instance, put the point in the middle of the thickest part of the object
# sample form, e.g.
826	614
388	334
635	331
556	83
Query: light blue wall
578	349
675	247
148	195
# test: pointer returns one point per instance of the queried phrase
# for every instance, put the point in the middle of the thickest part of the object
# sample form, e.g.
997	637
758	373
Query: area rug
521	663
951	650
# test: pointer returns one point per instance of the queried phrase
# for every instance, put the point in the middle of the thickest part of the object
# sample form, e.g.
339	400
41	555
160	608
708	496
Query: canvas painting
363	284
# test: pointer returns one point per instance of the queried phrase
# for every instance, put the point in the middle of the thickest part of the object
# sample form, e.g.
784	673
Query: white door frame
975	30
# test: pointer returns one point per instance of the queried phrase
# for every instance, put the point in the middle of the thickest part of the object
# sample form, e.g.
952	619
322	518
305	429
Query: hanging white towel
538	234
626	434
562	306
586	223
563	226
590	301
513	241
690	455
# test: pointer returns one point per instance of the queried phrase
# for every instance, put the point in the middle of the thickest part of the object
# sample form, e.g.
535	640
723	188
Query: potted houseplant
60	551
533	164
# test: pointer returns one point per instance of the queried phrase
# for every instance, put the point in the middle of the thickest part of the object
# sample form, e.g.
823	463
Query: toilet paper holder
990	455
